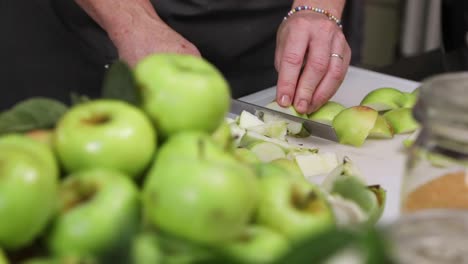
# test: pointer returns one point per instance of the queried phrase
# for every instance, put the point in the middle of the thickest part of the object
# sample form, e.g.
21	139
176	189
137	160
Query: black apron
238	37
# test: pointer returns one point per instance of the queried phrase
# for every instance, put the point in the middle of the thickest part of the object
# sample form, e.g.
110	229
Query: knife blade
314	128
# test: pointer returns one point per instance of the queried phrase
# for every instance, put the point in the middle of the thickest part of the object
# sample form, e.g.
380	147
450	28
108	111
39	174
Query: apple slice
294	128
257	245
290	166
347	212
267	151
314	164
402	120
382	129
237	134
251	137
327	112
354	124
346	168
383	99
247	119
275	129
371	200
409	99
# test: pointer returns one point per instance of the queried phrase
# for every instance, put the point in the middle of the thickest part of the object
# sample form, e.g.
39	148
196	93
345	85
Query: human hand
151	37
308	74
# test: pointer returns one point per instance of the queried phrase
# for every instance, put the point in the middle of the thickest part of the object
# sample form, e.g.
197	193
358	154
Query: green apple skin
383	99
61	260
42	135
98	215
257	245
402	120
191	145
222	136
3	258
182	92
28	190
145	249
354	124
409	100
106	134
200	200
290	166
280	167
292	208
381	195
246	156
327	112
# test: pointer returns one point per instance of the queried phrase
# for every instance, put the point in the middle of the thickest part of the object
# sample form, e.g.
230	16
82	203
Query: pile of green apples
164	181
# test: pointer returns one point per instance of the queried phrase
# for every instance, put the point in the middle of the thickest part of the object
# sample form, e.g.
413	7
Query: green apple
383	99
200	200
354	124
98	215
42	135
145	249
3	258
191	145
246	156
327	112
409	99
182	92
106	134
28	190
292	208
61	260
222	136
402	120
257	245
382	129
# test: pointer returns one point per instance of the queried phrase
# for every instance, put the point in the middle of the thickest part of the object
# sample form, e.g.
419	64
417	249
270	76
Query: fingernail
285	100
302	105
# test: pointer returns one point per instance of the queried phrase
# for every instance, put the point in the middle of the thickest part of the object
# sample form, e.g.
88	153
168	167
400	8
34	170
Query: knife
314	128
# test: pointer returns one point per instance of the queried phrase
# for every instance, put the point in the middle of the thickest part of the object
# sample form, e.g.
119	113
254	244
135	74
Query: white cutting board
381	161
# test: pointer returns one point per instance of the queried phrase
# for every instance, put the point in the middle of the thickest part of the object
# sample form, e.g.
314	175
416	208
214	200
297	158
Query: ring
337	56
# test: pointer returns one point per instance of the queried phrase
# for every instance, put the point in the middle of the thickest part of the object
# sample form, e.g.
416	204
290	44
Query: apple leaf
30	114
119	83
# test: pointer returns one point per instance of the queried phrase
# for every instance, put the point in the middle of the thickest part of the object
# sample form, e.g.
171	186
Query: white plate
381	161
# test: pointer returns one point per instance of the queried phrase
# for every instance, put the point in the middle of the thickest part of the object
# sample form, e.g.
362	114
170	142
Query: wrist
335	7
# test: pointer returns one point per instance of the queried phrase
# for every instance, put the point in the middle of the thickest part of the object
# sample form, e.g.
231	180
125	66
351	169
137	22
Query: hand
151	37
308	76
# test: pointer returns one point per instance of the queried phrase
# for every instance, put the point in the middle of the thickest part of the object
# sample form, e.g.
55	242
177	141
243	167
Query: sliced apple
237	134
267	151
294	128
383	99
346	168
290	166
354	124
313	164
247	119
381	129
346	211
251	137
402	120
409	99
327	112
275	129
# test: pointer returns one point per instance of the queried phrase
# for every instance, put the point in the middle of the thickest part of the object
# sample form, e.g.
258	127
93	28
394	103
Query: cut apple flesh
267	151
294	128
275	129
314	164
327	112
381	129
251	137
247	120
346	211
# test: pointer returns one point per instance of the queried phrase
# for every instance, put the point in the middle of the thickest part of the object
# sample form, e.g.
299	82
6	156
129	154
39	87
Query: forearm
119	17
335	7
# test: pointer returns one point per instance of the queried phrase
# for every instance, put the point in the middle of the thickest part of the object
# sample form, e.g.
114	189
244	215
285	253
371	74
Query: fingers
315	68
335	73
290	58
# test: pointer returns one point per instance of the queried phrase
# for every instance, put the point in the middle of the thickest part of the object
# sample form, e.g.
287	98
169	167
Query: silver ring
337	56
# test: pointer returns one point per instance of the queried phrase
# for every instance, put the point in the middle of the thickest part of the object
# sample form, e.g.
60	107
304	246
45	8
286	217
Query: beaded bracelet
317	10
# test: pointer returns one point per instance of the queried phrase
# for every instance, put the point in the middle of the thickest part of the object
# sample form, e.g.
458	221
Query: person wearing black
306	55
